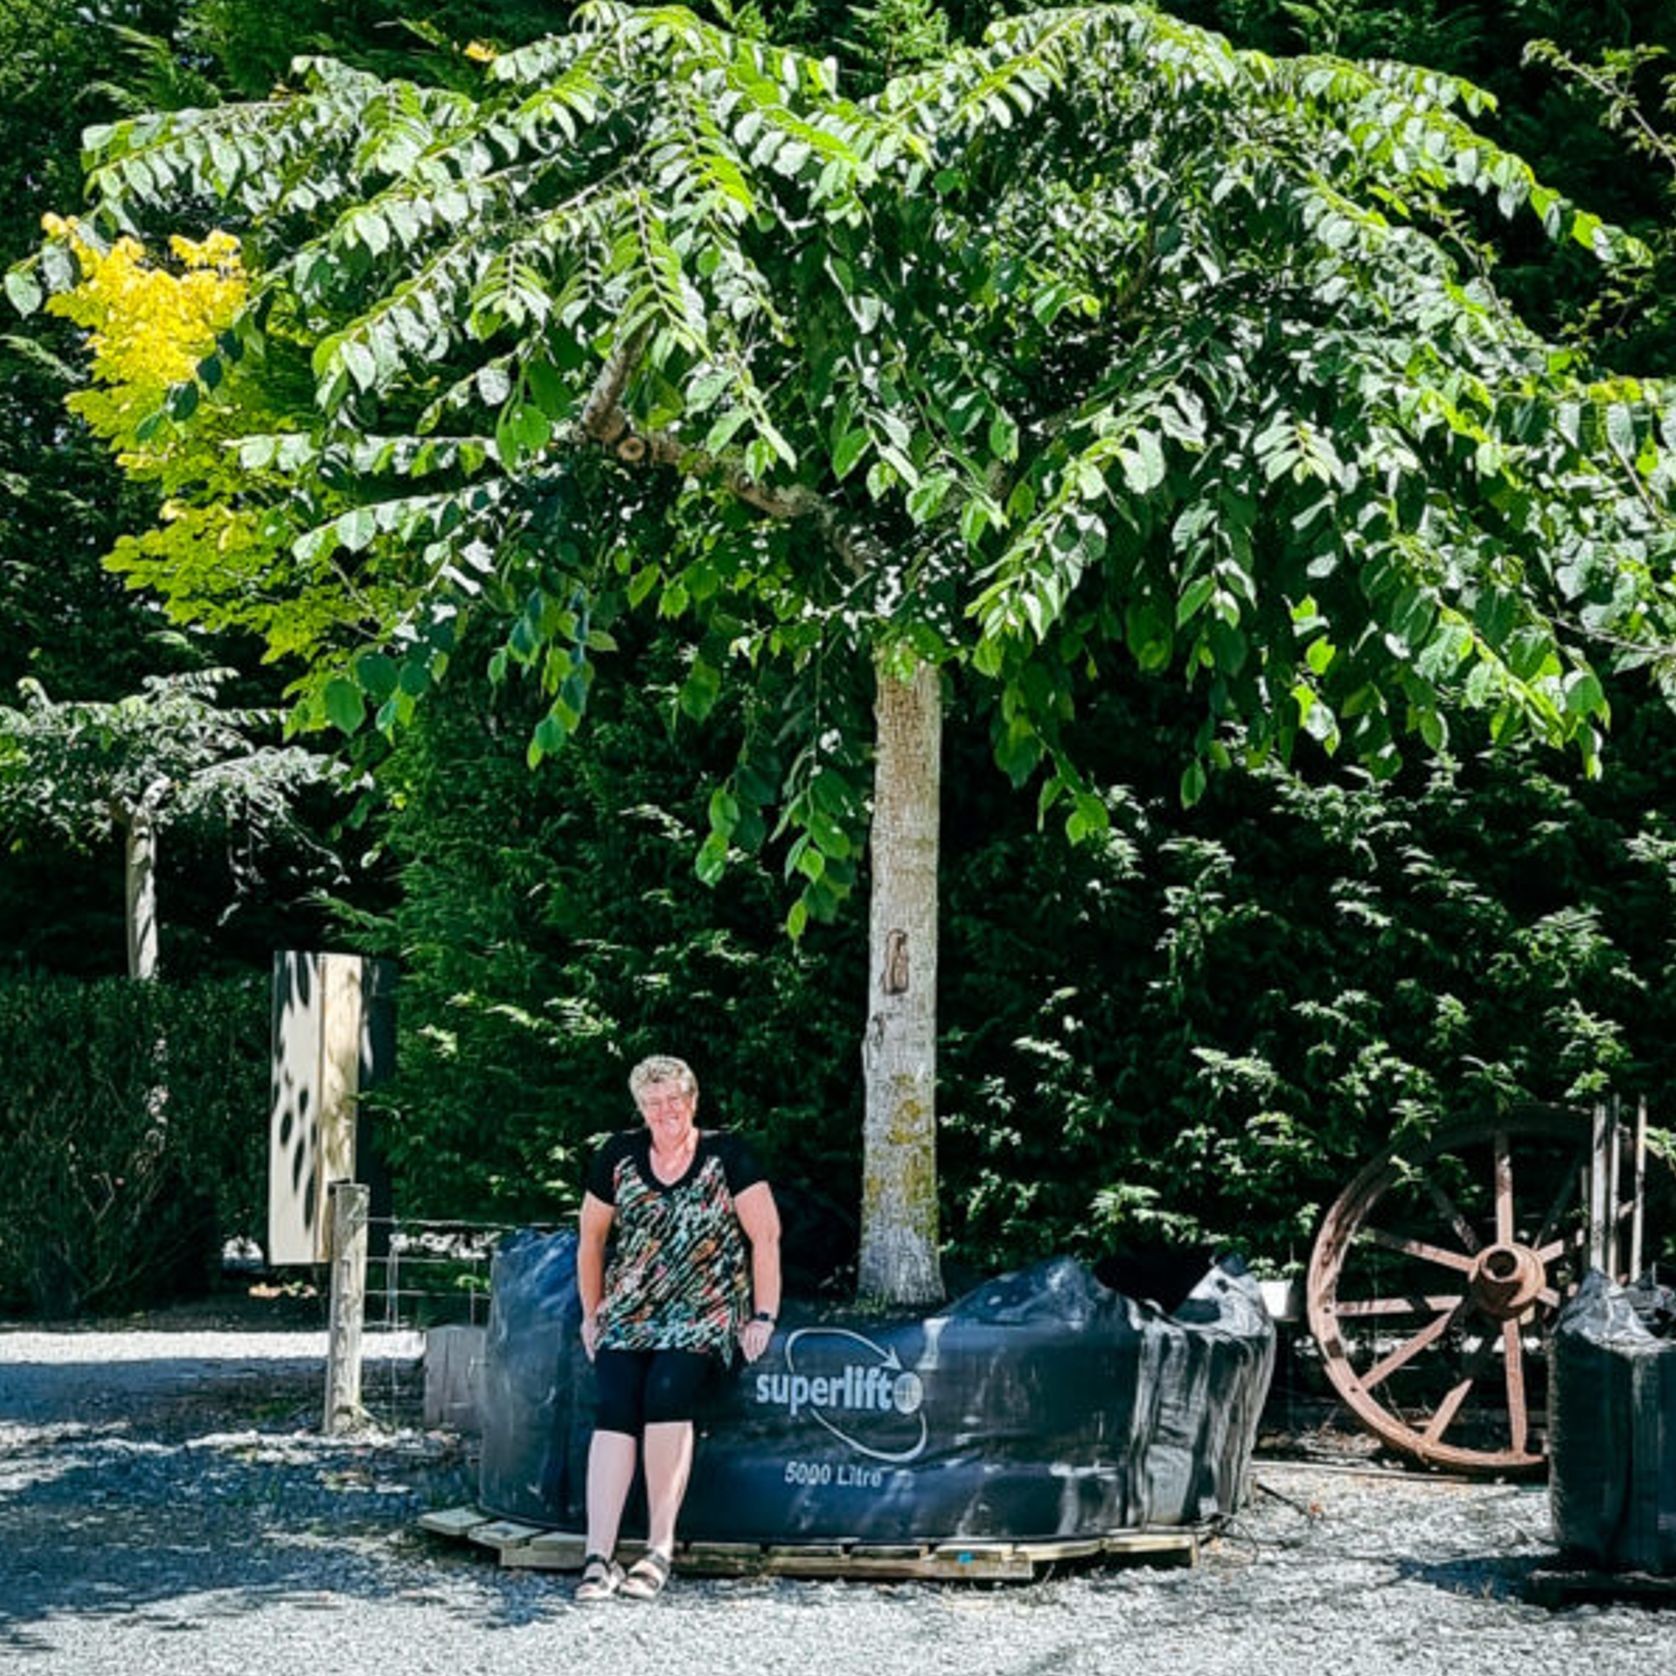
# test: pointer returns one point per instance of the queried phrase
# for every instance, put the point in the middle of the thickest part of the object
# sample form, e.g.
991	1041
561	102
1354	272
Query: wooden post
1604	1143
1638	1206
348	1202
1614	1188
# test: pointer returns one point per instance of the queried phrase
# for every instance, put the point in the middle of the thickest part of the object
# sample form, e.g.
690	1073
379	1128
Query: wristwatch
763	1315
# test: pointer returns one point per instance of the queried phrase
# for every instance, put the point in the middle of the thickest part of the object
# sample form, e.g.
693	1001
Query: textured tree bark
140	846
899	1050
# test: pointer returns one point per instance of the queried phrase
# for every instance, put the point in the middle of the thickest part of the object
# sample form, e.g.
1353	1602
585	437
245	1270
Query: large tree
1100	341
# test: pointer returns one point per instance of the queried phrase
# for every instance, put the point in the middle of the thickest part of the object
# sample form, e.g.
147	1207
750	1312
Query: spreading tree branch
604	421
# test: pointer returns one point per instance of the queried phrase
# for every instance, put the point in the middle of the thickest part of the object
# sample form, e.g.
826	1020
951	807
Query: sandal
647	1576
602	1577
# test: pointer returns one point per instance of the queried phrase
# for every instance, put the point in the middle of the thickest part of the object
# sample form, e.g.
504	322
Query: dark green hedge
133	1133
1189	1032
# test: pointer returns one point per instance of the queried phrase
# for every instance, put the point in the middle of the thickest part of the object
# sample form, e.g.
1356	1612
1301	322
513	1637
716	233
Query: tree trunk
899	1051
140	845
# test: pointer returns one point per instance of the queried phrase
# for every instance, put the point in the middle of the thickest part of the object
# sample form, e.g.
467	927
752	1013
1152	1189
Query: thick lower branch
603	421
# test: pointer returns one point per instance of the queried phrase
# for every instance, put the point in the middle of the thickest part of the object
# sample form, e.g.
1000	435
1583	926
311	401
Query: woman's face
668	1109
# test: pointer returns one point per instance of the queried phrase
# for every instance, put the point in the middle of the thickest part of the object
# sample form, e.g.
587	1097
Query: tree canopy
1100	336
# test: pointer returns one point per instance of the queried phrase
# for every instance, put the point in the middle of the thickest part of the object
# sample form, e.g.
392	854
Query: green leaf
547	387
1584	695
722	432
24	290
829	836
699	691
702	393
376	674
357	527
1193	598
925	501
363	368
345	708
1320	654
551	732
532	427
642	583
1620	429
850	447
724	811
711	861
1088	815
1147	629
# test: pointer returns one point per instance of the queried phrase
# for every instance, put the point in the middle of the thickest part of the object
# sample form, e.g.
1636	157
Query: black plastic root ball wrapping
1040	1404
1613	1425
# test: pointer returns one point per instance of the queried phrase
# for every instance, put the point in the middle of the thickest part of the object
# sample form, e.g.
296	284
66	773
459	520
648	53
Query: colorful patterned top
678	1277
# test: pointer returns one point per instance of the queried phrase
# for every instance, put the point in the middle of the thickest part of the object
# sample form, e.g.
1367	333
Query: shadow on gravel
1484	1576
173	1493
97	1391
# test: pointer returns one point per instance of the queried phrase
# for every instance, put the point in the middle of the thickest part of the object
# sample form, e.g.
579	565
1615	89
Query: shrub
132	1137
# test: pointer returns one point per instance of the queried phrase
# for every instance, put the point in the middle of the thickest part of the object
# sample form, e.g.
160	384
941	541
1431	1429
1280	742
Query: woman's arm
597	1217
759	1216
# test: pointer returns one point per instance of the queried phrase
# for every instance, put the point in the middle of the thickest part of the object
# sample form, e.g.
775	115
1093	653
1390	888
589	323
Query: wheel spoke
1457	1260
1451	1213
1517	1419
1569	1180
1574	1241
1451	1404
1415	1305
1406	1352
1504	1189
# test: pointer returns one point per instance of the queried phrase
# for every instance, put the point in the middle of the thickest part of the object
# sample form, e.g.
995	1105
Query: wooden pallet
1553	1587
531	1547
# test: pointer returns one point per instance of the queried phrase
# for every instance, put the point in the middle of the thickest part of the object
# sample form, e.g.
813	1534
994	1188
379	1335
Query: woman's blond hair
661	1067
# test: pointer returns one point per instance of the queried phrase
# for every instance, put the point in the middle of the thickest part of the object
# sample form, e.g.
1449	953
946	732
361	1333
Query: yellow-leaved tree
173	753
149	325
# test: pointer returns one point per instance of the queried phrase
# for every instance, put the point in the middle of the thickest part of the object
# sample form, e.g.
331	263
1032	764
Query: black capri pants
640	1388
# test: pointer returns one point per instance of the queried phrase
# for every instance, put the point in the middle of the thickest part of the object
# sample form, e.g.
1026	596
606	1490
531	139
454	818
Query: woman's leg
610	1472
673	1389
669	1459
620	1378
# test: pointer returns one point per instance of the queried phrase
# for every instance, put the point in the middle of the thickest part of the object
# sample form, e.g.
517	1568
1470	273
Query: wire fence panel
422	1275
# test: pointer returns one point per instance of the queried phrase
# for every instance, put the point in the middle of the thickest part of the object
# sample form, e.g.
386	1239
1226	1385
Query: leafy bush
133	1137
1193	1032
1187	1031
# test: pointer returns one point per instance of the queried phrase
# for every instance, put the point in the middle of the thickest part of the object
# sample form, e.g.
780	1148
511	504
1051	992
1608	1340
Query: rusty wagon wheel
1435	1276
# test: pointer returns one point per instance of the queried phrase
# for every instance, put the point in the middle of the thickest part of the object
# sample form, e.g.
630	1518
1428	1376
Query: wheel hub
1506	1279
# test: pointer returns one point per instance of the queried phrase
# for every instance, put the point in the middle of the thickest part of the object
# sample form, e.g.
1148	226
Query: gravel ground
165	1507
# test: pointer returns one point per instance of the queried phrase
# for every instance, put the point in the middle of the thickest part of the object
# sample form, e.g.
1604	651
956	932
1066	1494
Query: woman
663	1316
